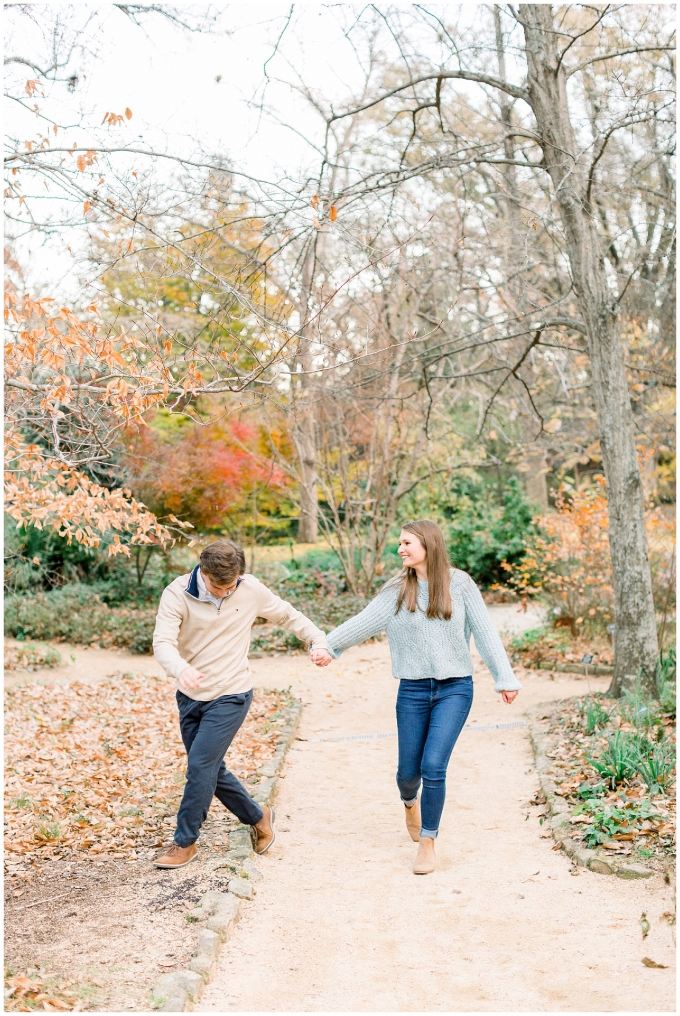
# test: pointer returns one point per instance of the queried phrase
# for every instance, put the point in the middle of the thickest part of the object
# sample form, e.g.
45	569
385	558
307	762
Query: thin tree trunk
636	637
304	426
304	435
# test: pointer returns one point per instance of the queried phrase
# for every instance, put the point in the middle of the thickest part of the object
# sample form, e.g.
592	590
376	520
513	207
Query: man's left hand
320	657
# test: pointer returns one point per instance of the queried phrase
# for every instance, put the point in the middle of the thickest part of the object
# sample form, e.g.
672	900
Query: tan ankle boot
413	820
176	856
424	862
263	832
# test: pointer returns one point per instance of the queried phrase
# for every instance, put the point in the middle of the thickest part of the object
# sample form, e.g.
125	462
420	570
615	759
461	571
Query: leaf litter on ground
98	769
628	817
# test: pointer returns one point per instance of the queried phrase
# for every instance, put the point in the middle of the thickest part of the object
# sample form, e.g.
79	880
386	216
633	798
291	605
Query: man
201	639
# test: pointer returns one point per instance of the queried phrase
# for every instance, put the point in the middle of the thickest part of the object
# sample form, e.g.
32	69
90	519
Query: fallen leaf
644	925
650	963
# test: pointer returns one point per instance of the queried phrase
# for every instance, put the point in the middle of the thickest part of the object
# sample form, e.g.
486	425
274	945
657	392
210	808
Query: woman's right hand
509	696
320	657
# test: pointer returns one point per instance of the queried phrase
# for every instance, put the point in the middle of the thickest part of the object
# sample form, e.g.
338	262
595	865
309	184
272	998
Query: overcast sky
195	93
168	77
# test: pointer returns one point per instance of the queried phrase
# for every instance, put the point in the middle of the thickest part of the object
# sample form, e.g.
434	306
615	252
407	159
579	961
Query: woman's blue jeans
430	716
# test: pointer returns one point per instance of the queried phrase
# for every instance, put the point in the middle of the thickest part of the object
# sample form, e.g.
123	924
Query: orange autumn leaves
99	768
568	558
41	491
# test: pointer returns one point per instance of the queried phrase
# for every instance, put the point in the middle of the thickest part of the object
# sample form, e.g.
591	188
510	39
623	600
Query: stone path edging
177	991
559	813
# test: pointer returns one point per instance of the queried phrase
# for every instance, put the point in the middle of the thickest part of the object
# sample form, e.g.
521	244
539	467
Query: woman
429	611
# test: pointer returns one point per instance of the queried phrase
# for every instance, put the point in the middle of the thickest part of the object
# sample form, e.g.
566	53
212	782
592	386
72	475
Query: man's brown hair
223	561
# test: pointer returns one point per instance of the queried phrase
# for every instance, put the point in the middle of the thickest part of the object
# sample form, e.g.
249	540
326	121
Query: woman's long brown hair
438	572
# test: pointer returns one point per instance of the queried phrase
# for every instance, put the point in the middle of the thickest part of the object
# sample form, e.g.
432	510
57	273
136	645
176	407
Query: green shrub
76	614
638	708
487	527
486	520
40	561
315	584
528	639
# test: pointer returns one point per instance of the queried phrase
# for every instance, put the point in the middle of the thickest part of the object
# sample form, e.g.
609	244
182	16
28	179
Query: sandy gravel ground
341	924
80	663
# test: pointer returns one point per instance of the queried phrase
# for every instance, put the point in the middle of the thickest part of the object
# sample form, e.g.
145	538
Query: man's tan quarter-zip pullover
214	637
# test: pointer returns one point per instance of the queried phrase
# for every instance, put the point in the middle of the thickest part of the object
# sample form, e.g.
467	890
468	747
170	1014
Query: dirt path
79	663
341	924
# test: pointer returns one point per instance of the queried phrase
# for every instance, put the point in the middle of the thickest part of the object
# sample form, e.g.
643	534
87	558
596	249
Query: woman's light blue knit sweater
423	647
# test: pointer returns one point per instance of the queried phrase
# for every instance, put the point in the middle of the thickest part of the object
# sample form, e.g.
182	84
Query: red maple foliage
202	474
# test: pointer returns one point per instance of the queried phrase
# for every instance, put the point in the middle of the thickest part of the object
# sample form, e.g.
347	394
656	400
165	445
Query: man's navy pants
208	728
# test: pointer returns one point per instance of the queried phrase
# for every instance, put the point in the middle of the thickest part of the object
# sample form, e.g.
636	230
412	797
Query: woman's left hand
509	696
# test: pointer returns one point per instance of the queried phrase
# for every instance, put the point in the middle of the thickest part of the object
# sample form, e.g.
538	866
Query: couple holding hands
428	611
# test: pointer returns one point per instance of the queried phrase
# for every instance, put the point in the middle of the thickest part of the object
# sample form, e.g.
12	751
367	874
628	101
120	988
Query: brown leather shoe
424	862
263	832
176	856
413	822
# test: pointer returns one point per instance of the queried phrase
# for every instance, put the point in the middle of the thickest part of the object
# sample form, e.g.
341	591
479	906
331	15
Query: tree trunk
304	415
304	435
636	644
536	482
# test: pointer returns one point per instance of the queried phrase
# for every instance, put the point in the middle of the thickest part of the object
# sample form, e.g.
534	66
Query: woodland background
395	327
295	275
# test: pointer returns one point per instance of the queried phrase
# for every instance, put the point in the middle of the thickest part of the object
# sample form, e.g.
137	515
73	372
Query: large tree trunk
636	640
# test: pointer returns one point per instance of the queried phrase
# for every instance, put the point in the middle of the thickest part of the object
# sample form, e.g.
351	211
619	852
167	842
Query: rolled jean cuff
429	834
409	804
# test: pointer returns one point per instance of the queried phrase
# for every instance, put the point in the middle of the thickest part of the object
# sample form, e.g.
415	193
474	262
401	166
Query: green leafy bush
40	561
78	613
315	584
528	639
486	519
75	613
486	527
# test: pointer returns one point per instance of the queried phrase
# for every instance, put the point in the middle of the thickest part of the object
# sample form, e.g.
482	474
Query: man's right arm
166	636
